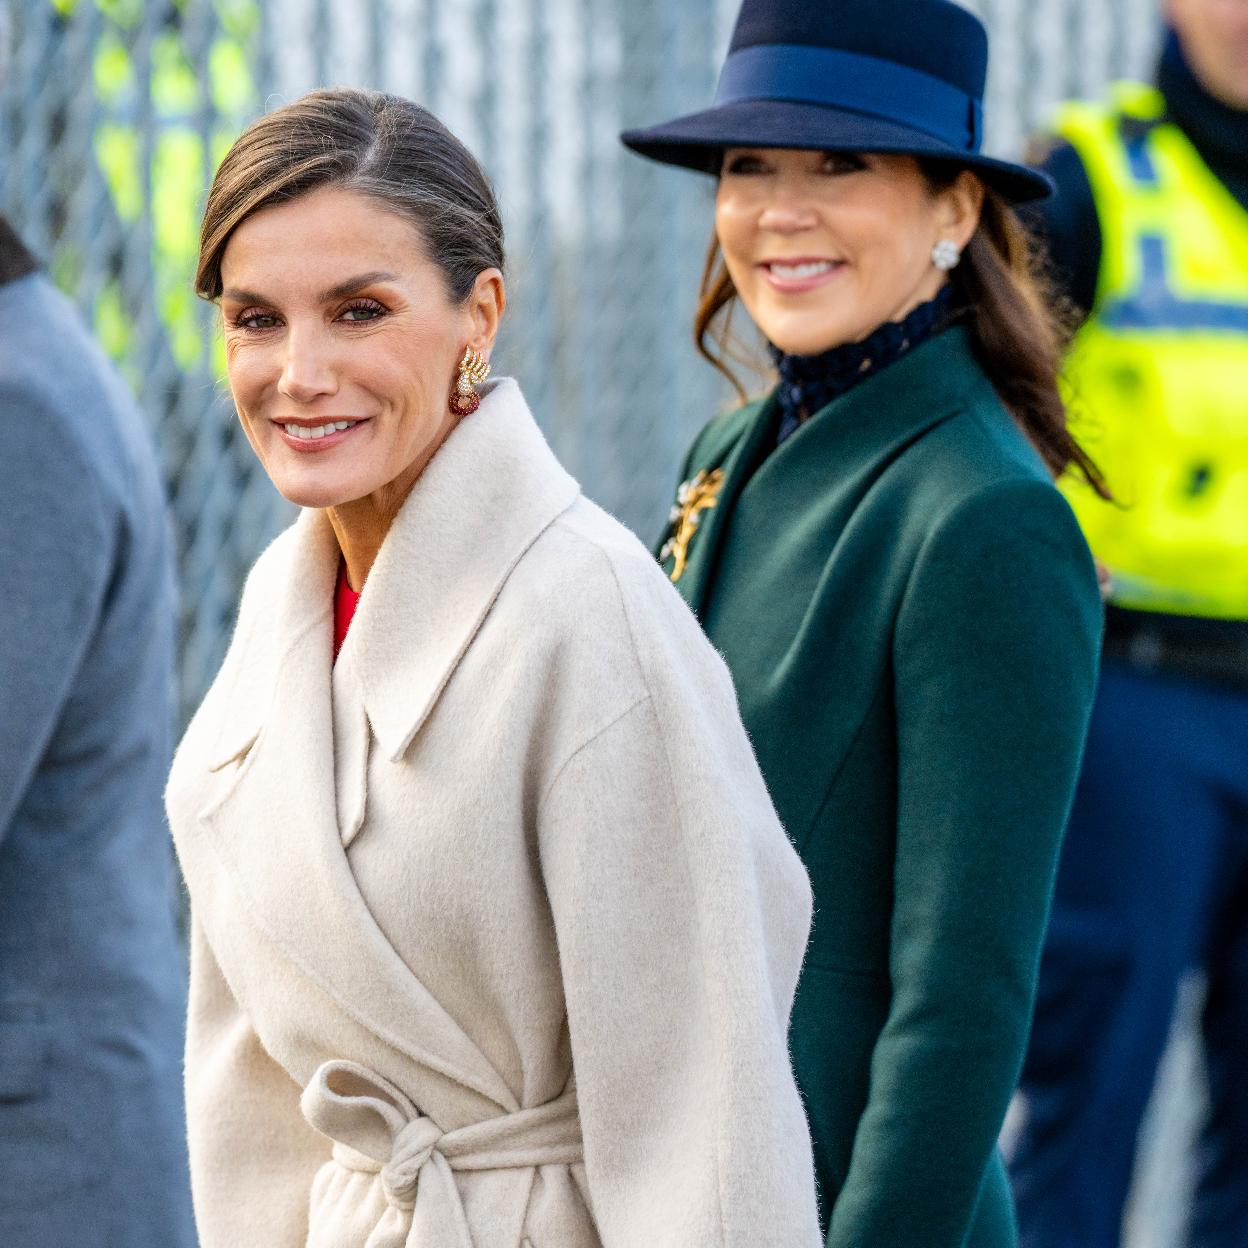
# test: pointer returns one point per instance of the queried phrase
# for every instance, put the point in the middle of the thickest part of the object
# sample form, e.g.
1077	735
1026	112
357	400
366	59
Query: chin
1232	86
812	340
317	489
811	333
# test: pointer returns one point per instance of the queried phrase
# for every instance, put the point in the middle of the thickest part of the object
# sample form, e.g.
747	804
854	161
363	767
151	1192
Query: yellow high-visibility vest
1157	378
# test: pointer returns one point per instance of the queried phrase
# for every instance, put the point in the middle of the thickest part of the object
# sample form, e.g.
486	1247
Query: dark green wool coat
912	619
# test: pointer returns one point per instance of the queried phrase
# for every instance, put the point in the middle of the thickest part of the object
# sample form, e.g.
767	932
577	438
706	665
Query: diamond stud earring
946	255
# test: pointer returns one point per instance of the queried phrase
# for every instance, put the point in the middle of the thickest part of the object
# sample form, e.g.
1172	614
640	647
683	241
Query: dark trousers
1153	881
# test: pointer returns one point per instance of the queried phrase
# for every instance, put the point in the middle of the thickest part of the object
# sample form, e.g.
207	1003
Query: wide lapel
485	497
811	543
881	416
742	461
840	448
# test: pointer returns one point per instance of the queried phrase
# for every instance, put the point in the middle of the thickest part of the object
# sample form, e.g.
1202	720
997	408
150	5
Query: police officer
1149	236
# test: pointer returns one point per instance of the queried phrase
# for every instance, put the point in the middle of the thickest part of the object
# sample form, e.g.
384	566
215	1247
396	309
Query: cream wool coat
495	931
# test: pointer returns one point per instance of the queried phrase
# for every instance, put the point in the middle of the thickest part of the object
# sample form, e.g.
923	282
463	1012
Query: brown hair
378	145
1019	326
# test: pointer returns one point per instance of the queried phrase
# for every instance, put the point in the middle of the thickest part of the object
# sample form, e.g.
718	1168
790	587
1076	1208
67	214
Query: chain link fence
114	113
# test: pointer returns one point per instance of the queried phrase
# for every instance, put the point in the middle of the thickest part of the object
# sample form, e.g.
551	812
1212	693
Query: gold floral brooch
692	499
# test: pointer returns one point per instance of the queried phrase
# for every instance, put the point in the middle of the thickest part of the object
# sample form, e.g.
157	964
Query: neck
362	524
931	290
809	383
1219	131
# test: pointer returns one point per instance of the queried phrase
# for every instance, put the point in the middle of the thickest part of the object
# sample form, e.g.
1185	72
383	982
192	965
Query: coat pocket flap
24	1046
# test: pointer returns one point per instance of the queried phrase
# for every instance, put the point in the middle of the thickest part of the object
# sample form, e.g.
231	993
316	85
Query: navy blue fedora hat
895	76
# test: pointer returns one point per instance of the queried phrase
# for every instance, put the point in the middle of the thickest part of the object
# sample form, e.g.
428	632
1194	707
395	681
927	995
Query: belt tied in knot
413	1147
377	1129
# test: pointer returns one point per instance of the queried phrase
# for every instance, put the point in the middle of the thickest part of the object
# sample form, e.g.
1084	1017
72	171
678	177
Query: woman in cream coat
495	931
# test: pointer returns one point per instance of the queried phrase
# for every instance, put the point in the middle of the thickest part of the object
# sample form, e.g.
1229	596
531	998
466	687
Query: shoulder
979	467
977	447
1000	619
1005	558
1011	511
622	654
76	409
1061	160
607	607
47	353
51	472
1087	148
604	577
981	500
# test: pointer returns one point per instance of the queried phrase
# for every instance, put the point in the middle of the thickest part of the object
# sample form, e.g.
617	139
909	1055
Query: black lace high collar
808	383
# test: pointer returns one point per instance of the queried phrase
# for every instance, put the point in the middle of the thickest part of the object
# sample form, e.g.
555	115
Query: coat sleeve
242	1106
55	565
995	660
681	913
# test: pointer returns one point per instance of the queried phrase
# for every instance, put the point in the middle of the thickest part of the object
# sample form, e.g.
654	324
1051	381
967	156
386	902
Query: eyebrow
340	291
353	284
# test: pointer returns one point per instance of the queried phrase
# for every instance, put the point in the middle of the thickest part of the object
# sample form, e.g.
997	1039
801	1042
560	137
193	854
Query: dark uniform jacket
912	619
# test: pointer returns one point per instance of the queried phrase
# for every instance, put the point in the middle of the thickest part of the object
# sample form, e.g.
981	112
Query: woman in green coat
903	596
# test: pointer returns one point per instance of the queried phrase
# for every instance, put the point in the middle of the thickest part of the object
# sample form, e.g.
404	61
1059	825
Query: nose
308	371
787	211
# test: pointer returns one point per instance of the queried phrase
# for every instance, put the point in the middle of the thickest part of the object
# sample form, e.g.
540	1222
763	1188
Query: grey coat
92	995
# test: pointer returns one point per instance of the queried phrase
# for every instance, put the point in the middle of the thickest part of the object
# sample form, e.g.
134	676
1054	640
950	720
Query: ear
961	206
485	305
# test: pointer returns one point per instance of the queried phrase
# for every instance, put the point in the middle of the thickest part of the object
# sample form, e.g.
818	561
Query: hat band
863	84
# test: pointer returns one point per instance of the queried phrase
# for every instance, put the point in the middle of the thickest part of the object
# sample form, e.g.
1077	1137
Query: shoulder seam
596	735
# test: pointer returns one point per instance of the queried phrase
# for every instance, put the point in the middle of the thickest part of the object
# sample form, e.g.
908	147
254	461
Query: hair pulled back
379	145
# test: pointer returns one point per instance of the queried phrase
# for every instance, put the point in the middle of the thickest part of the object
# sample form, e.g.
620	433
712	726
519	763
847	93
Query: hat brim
698	140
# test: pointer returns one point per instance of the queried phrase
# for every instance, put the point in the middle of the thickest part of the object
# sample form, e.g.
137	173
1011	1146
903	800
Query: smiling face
342	345
1214	35
823	248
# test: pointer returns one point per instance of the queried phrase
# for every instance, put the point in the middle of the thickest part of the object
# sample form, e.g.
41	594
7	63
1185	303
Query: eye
837	163
254	319
744	164
362	310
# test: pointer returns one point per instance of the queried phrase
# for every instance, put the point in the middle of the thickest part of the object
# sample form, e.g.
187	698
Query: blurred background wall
113	114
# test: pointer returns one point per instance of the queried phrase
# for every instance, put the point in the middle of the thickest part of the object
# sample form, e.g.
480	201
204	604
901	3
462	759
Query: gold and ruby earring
474	368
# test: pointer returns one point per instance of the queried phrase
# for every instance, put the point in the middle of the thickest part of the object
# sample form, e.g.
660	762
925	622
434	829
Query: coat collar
485	498
742	461
490	491
874	420
275	822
